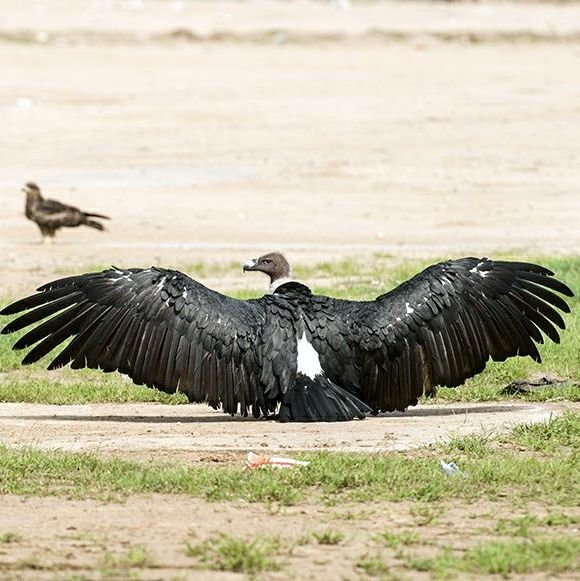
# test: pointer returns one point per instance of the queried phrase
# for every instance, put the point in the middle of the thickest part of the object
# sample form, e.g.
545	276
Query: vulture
51	215
291	354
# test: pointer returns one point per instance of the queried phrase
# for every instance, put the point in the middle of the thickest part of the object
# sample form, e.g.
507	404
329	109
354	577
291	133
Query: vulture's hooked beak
250	265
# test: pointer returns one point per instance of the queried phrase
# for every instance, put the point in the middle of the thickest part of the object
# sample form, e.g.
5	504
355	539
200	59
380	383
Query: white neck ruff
279	283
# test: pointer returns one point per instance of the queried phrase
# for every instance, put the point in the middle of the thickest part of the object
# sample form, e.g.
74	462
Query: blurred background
219	130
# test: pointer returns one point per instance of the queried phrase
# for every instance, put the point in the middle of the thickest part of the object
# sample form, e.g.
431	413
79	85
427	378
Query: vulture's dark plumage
50	215
311	357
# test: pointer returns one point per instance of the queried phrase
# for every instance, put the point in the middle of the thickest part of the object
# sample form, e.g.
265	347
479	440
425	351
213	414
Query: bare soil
211	151
215	131
187	432
59	538
91	540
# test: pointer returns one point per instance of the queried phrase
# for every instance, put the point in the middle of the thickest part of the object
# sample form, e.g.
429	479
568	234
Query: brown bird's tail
94	224
88	215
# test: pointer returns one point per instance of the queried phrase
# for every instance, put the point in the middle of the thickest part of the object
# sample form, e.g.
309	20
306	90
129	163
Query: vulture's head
31	190
272	264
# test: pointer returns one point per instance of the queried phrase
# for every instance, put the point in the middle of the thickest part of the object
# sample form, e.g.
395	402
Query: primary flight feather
306	356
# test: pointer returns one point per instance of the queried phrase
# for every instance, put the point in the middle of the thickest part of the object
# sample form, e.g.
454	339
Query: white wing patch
410	310
124	275
308	361
482	273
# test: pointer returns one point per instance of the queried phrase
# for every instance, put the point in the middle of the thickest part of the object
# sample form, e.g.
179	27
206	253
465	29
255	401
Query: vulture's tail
320	400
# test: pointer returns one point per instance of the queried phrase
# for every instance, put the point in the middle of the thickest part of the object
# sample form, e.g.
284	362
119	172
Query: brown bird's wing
54	214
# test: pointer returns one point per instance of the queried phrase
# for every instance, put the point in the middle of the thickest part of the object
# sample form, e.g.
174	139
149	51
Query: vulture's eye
267	261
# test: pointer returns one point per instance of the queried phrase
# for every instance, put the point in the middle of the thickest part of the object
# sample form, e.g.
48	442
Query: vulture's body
51	215
310	357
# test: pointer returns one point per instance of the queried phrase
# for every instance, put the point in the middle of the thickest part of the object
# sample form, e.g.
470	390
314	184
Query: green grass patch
505	558
527	525
134	557
122	565
353	514
560	432
395	540
328	537
375	566
229	553
9	538
426	514
78	387
336	477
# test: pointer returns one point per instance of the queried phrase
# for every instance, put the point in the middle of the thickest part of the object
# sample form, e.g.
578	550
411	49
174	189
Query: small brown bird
51	215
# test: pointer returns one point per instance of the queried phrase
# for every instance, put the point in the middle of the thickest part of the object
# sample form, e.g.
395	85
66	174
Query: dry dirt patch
188	431
65	537
219	152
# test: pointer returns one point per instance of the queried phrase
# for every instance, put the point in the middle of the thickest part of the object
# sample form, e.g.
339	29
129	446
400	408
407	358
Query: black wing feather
164	330
440	328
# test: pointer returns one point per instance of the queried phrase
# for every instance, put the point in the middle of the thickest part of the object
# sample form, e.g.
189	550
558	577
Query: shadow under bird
51	215
305	356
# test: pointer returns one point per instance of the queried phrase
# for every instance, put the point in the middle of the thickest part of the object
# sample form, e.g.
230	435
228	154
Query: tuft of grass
471	445
505	558
123	565
526	526
353	515
559	519
395	540
135	557
9	538
228	553
425	514
558	432
328	537
374	566
517	527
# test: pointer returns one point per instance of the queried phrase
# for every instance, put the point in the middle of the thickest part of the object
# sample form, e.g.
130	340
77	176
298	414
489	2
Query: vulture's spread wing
164	330
438	328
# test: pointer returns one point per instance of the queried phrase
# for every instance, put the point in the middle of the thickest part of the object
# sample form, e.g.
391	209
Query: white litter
260	460
451	469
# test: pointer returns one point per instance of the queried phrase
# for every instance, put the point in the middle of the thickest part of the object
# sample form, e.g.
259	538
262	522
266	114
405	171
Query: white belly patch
308	361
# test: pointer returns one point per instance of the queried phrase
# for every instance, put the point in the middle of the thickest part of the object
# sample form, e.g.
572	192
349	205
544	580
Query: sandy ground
91	540
210	150
88	539
153	431
215	131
